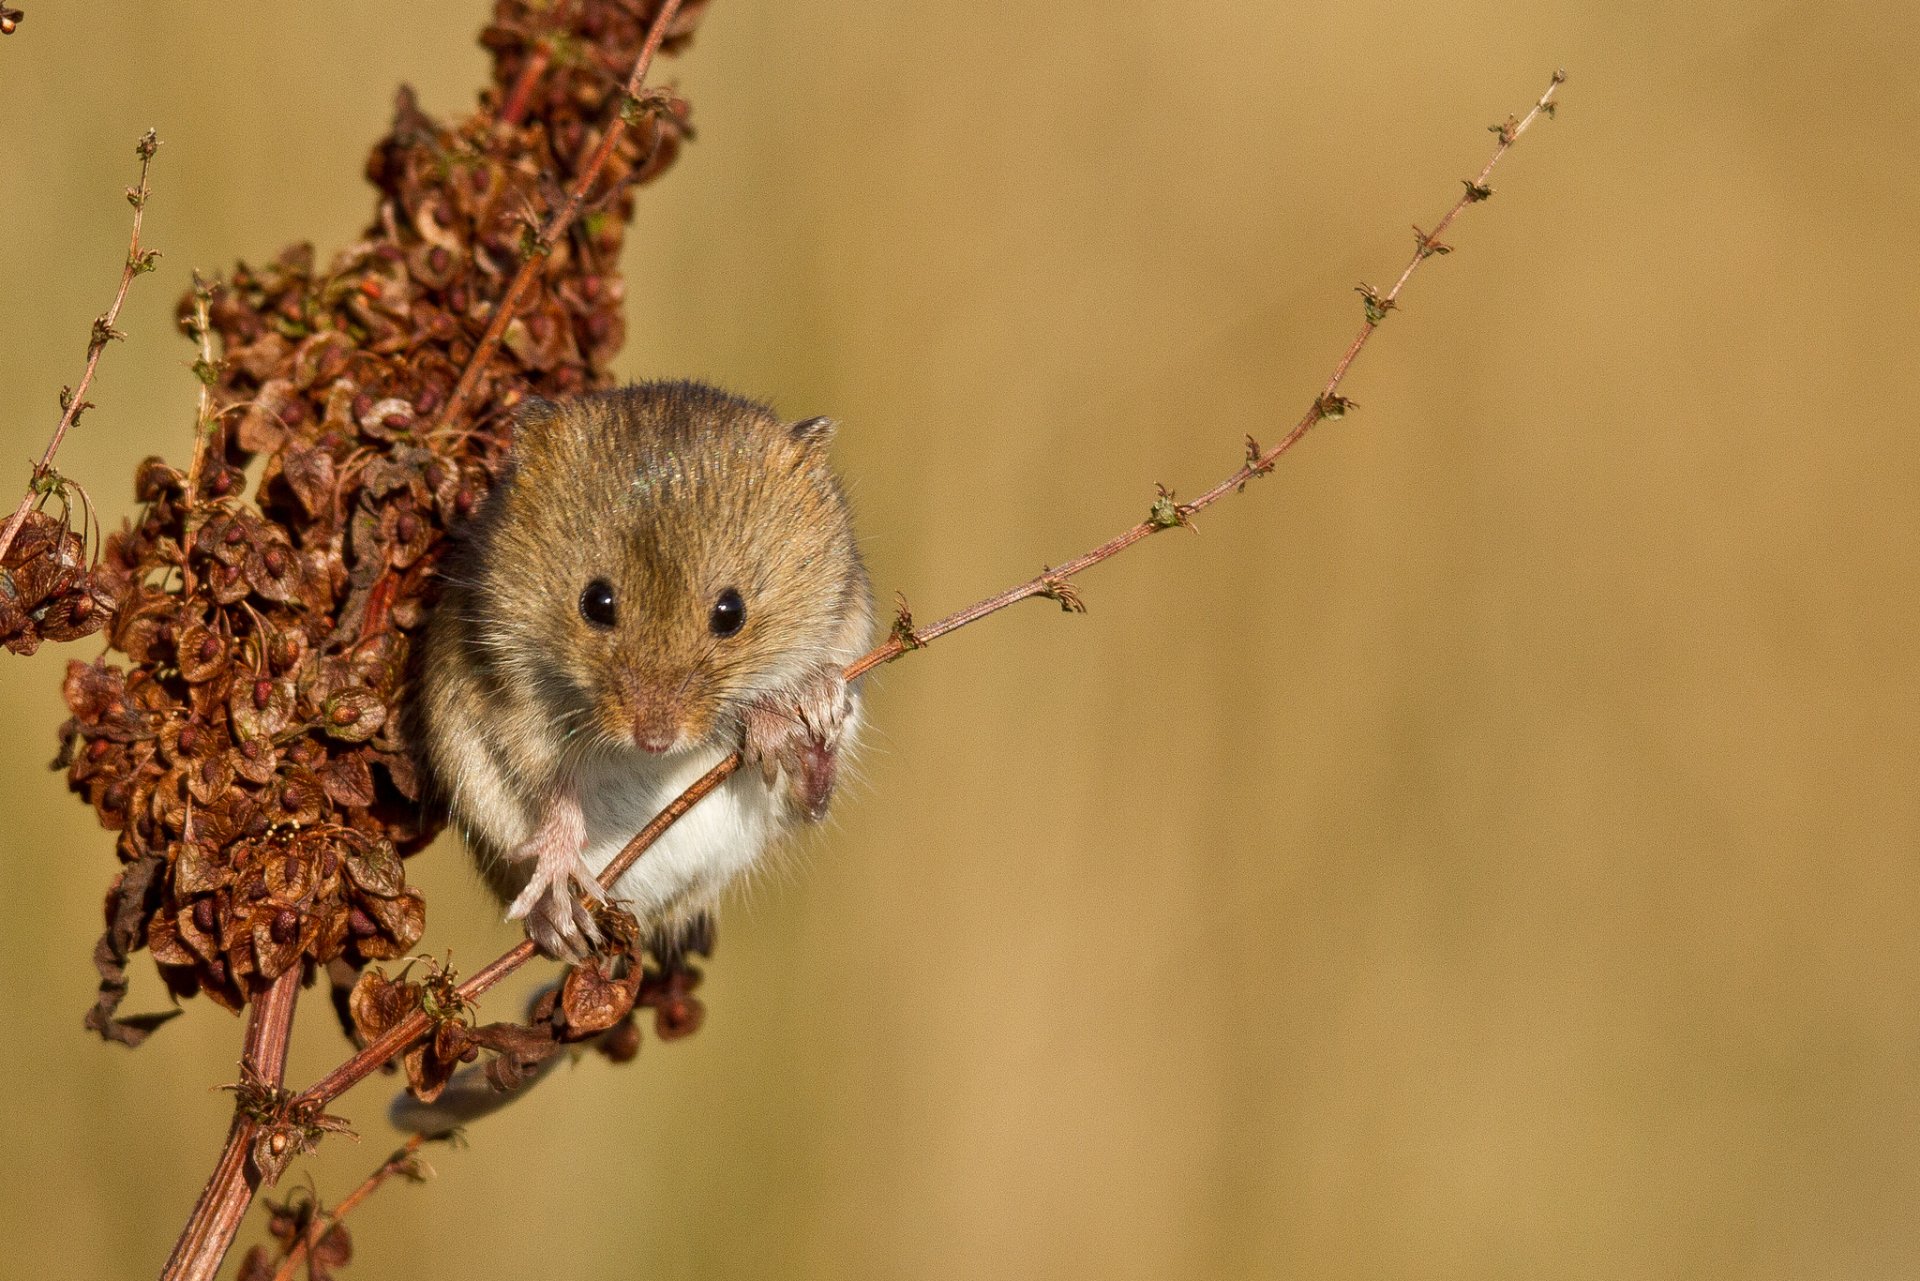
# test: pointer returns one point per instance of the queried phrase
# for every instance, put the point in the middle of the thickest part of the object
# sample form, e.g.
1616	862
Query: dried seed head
245	746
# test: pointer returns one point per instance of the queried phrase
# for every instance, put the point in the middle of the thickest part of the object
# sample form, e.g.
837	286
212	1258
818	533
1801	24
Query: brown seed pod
244	735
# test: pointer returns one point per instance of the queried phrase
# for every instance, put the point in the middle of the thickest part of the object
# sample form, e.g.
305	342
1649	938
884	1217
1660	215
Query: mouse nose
656	723
654	739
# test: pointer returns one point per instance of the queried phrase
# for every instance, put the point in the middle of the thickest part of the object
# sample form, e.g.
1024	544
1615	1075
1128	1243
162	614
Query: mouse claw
797	736
558	921
566	939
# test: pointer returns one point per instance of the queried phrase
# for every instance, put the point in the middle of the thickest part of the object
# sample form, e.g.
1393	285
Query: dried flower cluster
50	588
249	750
594	1003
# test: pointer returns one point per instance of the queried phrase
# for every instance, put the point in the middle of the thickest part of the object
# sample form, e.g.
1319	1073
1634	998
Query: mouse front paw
794	738
558	921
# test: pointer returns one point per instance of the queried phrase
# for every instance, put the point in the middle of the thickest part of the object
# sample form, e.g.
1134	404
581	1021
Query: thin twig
525	83
1167	514
1053	584
74	402
630	104
403	1034
206	421
223	1202
323	1222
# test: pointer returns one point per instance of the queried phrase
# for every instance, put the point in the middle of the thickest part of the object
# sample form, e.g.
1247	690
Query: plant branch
515	107
206	426
1053	584
1167	514
223	1202
402	1161
403	1034
74	401
631	102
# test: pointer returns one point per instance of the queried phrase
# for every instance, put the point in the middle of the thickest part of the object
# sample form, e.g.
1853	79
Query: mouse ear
810	431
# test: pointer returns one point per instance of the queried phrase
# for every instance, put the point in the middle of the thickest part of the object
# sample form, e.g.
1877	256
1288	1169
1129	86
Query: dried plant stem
403	1034
223	1202
400	1162
1054	584
103	333
206	421
515	107
561	218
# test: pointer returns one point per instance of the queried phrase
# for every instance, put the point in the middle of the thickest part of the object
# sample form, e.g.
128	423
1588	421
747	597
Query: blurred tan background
1491	849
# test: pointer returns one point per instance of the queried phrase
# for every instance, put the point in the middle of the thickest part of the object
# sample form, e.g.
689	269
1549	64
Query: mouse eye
729	614
596	603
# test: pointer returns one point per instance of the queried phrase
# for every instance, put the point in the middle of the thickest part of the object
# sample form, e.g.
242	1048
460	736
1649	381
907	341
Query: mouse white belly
697	857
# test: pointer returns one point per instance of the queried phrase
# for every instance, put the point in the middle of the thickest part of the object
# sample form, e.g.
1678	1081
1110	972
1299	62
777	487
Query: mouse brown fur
667	572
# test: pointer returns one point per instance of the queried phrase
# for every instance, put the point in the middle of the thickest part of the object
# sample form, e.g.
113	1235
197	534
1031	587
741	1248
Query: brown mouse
667	573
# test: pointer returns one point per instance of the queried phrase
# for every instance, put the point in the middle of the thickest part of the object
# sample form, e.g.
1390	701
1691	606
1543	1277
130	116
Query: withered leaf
290	875
328	923
17	629
320	358
227	582
317	582
427	1073
129	903
81	611
400	768
334	1249
260	707
353	714
375	868
309	473
276	940
620	1044
36	581
592	1001
259	360
378	1002
274	569
97	695
518	1050
199	930
298	797
263	424
200	653
274	1149
268	632
154	478
259	1265
210	780
348	780
678	1015
401	918
163	940
255	759
199	869
147	617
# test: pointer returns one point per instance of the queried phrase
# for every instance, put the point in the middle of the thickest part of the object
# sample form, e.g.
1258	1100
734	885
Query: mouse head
661	557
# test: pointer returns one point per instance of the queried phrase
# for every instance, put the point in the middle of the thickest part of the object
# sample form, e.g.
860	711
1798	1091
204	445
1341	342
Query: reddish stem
398	1038
323	1223
1051	583
103	332
525	83
557	222
223	1202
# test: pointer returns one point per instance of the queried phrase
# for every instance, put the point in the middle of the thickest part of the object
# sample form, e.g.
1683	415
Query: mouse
665	573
